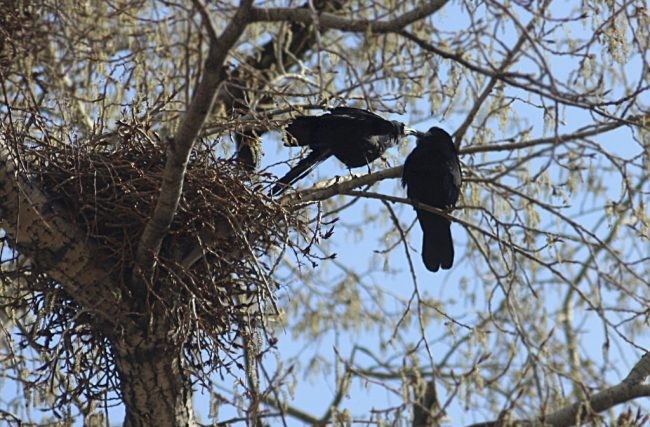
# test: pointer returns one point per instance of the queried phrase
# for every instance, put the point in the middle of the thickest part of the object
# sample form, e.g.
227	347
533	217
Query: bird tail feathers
299	171
437	246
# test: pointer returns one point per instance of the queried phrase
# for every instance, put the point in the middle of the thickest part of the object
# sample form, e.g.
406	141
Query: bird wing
371	123
356	113
301	130
415	169
451	181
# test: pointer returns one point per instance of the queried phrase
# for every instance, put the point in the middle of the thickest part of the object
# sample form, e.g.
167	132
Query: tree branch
339	185
507	62
329	20
292	411
579	134
580	412
179	149
526	82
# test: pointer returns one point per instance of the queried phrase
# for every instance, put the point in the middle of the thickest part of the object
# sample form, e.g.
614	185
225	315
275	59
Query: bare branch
207	22
522	81
640	372
580	134
340	185
179	149
580	412
507	62
329	20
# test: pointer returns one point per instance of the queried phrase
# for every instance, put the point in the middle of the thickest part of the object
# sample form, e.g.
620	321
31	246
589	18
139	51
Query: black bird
356	137
249	149
432	176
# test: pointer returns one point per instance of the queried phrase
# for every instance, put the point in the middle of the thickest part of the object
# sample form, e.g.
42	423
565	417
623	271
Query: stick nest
214	274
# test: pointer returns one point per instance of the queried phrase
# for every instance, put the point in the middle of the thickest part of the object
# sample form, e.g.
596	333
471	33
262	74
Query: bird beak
411	131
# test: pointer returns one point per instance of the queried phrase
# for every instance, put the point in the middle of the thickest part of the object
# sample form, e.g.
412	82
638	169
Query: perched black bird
356	137
432	176
249	149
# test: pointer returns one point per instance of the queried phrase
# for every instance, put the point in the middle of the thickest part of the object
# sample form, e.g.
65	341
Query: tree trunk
156	390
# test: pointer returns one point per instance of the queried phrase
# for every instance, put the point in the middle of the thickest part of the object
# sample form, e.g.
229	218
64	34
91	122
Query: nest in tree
216	264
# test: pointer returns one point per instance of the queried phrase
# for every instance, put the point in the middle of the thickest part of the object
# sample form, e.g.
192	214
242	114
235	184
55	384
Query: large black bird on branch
432	177
354	136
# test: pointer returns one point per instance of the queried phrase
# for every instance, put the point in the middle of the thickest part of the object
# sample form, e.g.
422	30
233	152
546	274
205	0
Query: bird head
434	134
399	127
